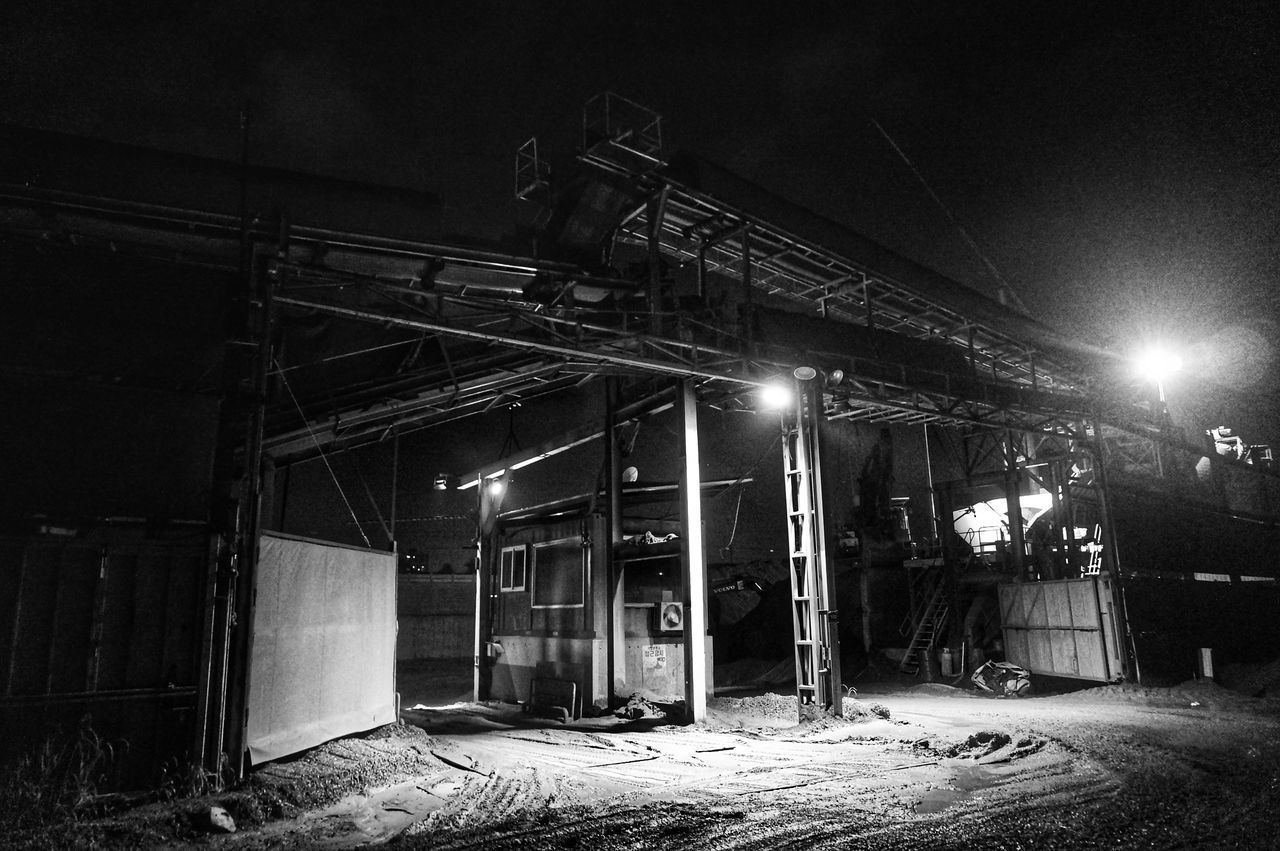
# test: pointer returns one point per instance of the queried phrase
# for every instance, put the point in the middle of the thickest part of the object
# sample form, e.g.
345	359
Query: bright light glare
1158	363
496	487
775	396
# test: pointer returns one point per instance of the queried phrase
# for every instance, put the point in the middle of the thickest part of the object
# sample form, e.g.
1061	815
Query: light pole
1157	363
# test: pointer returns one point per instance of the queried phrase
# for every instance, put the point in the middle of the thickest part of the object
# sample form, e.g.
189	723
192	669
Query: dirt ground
1195	766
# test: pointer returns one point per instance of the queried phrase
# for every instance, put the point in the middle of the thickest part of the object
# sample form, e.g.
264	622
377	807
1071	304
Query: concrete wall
437	616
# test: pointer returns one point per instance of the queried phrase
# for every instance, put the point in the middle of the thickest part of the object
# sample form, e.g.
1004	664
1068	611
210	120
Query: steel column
482	627
693	562
244	577
656	210
1013	497
616	639
813	620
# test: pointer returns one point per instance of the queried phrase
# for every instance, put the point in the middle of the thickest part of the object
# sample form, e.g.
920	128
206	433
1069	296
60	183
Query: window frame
506	569
582	574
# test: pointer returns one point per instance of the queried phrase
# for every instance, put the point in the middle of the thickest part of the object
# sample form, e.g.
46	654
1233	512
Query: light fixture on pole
1158	364
775	396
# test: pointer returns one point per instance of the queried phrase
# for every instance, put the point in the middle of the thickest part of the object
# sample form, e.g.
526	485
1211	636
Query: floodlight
776	396
1157	363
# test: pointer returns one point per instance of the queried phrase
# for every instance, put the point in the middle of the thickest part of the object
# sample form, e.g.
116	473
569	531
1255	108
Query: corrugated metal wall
1063	628
103	630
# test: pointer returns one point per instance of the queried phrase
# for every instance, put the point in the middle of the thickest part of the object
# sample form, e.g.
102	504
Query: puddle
937	800
963	782
971	778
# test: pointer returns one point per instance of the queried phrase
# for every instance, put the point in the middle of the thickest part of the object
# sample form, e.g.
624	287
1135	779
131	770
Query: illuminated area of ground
1124	766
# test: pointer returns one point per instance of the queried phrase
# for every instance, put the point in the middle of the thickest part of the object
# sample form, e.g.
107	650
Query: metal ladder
817	666
928	620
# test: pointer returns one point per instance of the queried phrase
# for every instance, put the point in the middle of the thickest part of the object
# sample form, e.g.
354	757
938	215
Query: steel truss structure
508	328
432	333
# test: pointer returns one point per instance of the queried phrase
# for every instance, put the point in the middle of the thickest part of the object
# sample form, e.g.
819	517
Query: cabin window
513	573
559	574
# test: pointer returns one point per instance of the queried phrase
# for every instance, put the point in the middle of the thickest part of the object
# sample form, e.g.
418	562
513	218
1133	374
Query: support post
814	620
864	592
657	207
1056	563
702	270
828	613
1111	553
1067	533
209	748
242	588
748	309
1013	487
395	488
693	563
616	640
934	524
480	631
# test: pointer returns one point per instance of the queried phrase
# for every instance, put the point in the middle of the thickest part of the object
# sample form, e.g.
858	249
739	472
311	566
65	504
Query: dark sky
1117	162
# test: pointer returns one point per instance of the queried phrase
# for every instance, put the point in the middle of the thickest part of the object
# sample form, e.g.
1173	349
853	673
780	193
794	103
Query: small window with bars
513	572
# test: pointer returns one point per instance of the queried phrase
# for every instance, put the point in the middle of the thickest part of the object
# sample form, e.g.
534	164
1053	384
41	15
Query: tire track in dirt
485	801
867	804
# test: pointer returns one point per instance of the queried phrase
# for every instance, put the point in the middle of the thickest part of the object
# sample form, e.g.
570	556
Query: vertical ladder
811	618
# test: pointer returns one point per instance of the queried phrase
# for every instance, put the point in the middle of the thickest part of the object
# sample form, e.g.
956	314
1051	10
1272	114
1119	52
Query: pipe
649	364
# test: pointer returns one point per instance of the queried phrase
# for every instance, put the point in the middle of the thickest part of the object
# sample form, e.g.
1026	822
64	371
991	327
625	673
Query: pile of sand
1253	680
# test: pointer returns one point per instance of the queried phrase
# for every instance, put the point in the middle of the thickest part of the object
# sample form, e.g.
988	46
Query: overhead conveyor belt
838	273
502	327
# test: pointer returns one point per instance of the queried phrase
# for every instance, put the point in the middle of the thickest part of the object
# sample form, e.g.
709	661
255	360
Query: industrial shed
196	345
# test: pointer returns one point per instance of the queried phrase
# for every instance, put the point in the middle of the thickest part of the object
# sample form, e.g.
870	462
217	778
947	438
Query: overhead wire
733	531
323	457
1006	289
386	529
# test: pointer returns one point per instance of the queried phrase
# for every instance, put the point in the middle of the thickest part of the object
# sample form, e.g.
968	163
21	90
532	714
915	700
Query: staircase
930	607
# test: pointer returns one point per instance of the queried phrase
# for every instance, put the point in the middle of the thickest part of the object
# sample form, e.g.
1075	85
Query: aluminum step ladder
812	617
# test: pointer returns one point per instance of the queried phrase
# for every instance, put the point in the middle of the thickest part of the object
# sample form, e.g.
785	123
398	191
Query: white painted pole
693	564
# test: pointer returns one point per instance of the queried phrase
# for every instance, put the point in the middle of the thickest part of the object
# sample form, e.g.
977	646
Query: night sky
1116	162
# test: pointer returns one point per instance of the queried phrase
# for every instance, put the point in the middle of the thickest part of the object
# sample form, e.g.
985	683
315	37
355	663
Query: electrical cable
755	466
323	456
1006	289
386	529
733	531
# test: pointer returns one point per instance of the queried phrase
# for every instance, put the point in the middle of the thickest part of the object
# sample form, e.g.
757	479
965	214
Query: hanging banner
324	645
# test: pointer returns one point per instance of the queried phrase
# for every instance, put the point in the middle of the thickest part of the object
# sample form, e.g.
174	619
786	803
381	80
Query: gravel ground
925	767
1119	766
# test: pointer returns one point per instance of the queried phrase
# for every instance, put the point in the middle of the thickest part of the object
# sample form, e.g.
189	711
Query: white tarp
324	645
